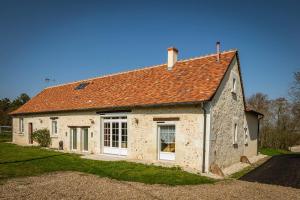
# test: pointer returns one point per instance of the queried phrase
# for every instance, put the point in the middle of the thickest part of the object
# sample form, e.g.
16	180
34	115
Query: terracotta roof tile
189	81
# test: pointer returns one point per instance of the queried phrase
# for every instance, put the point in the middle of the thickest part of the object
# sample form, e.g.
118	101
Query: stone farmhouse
189	113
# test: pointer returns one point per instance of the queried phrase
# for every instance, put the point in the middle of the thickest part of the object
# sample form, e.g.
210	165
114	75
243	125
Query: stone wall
227	108
251	123
64	120
142	133
143	141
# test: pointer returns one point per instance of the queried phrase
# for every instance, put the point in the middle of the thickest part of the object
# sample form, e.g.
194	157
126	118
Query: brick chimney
172	57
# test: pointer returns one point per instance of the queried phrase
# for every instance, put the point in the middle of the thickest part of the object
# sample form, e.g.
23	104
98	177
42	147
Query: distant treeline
7	106
280	127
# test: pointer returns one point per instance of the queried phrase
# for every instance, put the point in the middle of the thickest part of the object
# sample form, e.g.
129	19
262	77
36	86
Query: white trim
234	82
53	134
82	140
167	156
235	133
170	156
246	135
207	143
21	125
71	139
114	150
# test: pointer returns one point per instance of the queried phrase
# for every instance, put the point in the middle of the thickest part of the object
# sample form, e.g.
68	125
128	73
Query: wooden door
30	130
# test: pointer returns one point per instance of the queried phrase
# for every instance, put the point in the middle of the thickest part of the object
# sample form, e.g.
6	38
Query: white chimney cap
172	57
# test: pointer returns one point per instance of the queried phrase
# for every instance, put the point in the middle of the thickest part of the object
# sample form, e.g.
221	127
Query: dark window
81	86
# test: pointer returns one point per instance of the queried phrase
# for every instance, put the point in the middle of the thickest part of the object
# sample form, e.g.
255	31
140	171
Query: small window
54	127
234	85
21	125
246	135
235	133
81	86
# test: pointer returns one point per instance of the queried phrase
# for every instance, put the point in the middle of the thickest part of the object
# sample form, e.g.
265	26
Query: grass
5	137
273	152
17	161
243	172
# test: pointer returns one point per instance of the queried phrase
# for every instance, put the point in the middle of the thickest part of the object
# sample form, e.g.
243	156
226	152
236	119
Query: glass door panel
124	135
85	138
74	138
167	142
107	134
115	134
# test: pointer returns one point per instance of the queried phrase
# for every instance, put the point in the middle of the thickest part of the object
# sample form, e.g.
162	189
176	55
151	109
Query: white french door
166	135
73	138
85	139
115	135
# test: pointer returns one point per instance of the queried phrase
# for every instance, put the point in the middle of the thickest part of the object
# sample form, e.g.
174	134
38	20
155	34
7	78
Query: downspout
204	138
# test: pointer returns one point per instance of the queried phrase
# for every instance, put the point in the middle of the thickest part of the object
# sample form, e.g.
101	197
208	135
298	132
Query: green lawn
17	161
273	152
5	137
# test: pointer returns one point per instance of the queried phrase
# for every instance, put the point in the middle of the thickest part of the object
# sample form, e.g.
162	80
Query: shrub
42	137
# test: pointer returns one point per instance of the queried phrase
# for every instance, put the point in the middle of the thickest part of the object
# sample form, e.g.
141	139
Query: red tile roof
190	81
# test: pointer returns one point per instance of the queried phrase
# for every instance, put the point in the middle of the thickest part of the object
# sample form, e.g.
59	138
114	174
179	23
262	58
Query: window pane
54	127
167	138
21	129
107	134
74	135
235	133
85	139
115	134
124	135
234	84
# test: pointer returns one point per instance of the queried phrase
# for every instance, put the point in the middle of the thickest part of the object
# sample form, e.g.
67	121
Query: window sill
20	134
166	161
54	136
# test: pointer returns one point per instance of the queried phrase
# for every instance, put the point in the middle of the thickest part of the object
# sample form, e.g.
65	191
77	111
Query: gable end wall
226	109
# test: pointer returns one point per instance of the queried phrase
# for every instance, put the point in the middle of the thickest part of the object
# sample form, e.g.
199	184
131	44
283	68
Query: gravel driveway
281	170
74	185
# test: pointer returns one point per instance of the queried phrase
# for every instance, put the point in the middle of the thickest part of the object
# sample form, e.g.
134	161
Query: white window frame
165	156
83	140
234	83
54	131
21	125
72	139
120	118
235	133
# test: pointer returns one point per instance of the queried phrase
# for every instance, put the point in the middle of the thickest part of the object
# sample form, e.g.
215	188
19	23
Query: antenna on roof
218	46
48	80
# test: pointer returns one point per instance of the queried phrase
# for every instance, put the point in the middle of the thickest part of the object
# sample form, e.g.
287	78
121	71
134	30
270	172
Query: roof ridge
139	69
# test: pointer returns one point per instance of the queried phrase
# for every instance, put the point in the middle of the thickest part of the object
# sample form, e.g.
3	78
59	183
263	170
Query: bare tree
294	93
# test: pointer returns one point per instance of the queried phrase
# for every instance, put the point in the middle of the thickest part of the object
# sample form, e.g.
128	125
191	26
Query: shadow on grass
31	159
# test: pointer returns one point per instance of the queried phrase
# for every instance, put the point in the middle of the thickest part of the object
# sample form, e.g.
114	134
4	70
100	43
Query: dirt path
281	170
73	185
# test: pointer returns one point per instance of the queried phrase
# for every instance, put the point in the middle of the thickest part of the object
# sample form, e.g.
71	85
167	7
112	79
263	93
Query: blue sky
72	40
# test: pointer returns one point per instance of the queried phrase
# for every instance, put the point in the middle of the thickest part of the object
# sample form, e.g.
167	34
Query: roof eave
112	108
